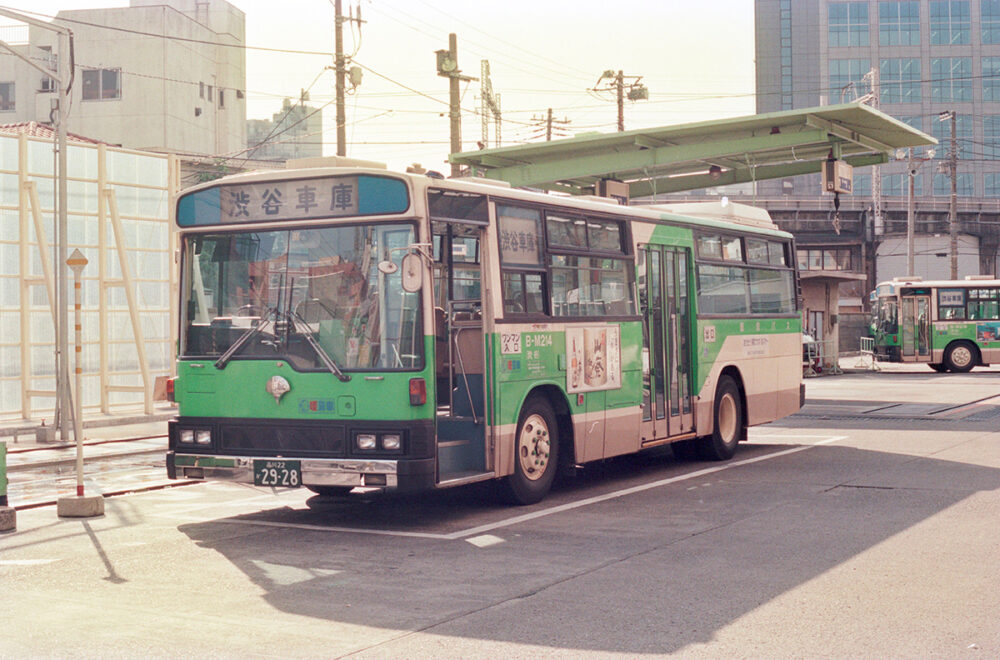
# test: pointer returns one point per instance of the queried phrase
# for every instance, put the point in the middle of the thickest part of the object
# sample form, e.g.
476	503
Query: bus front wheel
536	451
728	418
960	357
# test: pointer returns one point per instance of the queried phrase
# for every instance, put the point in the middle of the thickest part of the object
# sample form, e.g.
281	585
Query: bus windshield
307	296
885	316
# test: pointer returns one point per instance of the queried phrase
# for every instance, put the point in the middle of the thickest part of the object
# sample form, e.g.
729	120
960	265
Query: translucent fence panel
139	184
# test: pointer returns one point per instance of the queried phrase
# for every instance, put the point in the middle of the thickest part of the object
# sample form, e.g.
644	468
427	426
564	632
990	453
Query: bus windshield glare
297	294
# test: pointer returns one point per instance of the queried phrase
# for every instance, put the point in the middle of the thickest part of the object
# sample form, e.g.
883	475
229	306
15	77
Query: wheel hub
727	418
533	447
961	356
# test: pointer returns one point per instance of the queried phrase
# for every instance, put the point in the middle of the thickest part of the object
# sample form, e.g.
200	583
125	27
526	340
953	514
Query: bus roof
720	215
972	282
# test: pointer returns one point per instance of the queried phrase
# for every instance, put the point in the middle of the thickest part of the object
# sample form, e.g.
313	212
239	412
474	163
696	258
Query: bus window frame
625	253
790	265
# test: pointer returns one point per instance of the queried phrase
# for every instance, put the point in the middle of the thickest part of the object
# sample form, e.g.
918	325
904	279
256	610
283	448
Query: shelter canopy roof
703	154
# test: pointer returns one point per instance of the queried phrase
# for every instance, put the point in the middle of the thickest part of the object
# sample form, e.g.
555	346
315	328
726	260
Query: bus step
465	477
456	418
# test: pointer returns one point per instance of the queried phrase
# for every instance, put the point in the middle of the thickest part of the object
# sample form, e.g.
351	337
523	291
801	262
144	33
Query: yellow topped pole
77	262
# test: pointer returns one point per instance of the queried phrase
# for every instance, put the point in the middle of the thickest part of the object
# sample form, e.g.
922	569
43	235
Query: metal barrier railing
866	356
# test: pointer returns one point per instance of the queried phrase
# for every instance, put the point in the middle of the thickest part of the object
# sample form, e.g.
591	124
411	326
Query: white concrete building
159	75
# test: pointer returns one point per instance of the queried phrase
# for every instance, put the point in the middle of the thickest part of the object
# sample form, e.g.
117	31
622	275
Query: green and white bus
952	325
345	328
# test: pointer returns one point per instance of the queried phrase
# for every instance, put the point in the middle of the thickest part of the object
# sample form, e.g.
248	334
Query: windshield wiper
244	338
324	357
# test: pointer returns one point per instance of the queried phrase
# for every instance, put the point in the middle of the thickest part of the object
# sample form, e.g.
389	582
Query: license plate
277	473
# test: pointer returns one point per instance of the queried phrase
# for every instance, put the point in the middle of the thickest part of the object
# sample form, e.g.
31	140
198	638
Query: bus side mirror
412	272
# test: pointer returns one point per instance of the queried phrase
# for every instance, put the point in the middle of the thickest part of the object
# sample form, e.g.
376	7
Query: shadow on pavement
649	572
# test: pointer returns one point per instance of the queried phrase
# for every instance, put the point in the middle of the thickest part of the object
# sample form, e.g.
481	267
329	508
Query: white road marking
569	506
26	562
324	528
638	489
485	540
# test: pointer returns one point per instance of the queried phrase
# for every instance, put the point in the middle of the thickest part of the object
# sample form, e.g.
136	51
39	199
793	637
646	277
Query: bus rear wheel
960	357
536	453
728	426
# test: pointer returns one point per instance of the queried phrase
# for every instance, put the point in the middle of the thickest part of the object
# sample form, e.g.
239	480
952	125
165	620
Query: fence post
8	516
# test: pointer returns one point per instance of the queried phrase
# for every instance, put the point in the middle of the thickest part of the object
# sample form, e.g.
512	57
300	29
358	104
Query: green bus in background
952	325
344	328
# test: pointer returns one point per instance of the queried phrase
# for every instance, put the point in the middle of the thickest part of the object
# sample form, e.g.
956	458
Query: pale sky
696	59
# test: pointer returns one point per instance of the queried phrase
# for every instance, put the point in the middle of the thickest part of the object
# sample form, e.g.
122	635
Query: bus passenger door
654	423
915	329
459	348
677	313
665	308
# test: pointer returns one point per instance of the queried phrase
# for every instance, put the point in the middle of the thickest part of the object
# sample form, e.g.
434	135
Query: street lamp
912	167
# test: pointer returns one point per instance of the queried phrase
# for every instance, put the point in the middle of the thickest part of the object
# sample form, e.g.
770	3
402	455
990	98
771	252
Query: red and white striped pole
76	262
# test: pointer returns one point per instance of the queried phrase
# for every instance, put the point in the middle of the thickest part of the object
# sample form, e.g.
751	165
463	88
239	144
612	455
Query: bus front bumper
388	474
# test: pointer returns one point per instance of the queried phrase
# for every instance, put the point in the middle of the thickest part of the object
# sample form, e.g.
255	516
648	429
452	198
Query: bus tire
960	357
939	367
331	491
536	453
727	417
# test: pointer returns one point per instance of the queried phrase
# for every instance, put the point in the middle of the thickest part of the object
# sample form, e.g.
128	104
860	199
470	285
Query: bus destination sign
278	200
289	200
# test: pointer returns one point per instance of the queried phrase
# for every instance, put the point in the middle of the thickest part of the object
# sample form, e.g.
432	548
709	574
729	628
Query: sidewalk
20	435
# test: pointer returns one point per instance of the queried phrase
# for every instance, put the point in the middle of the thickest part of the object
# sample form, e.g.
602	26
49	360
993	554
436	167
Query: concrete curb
8	519
29	429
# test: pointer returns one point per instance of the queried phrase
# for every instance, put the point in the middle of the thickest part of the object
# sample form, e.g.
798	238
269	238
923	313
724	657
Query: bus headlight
366	441
187	436
391	442
203	437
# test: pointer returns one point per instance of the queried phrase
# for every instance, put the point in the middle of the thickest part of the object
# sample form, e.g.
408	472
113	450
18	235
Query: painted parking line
480	530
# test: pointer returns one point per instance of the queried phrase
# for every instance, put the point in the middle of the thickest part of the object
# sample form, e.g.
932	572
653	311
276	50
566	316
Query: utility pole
339	66
61	114
953	205
340	70
869	240
872	99
447	67
489	104
620	87
636	91
549	123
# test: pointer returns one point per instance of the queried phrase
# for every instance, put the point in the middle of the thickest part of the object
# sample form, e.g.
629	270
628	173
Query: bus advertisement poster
594	359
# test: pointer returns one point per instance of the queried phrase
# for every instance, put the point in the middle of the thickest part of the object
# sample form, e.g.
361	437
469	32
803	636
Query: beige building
296	131
159	75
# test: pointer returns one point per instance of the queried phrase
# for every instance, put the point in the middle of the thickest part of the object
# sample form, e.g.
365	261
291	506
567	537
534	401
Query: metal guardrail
866	356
